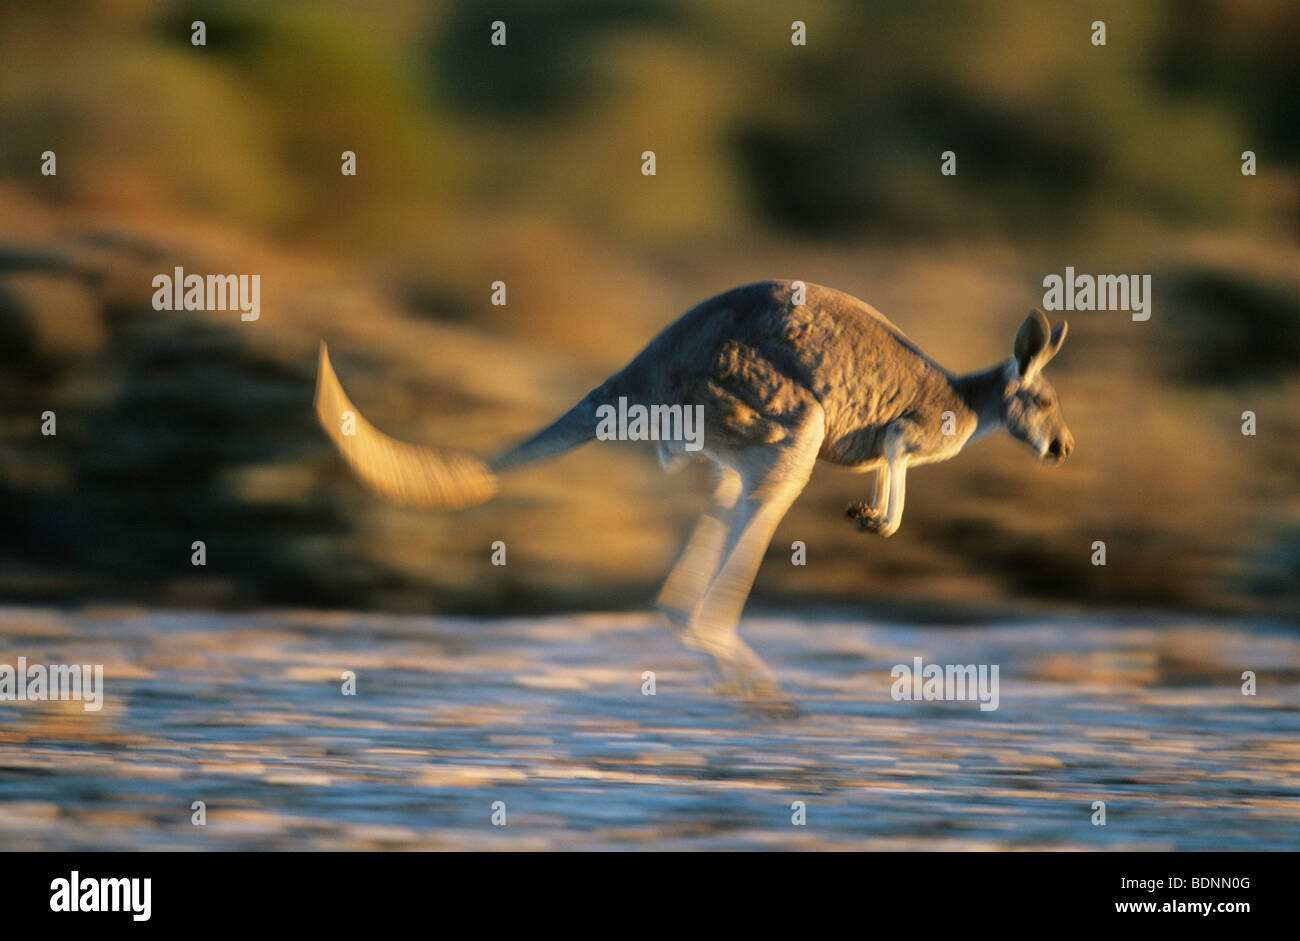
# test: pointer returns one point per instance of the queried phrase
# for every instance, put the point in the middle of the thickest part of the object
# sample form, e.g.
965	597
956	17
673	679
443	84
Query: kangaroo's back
752	343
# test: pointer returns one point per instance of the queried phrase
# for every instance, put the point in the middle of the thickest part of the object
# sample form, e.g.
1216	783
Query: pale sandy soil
546	714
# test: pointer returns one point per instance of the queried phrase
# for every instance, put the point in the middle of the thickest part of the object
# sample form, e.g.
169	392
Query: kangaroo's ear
1031	342
1054	344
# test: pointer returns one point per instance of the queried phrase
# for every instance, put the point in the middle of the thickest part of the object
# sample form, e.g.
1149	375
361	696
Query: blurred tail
404	473
575	427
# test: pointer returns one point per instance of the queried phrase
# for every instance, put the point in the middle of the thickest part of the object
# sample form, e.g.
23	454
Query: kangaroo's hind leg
698	563
772	477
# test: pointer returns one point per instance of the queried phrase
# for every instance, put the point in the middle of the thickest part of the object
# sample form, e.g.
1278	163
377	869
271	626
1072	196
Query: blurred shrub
1231	329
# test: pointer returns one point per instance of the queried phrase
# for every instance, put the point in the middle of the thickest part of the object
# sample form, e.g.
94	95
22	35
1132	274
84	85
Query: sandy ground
246	714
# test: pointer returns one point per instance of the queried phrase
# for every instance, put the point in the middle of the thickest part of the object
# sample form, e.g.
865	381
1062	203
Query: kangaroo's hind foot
739	672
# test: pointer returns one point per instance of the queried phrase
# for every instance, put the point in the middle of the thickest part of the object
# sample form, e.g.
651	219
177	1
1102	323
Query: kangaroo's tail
404	473
428	477
575	427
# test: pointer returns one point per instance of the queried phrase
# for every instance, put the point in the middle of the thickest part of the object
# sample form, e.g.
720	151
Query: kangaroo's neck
982	392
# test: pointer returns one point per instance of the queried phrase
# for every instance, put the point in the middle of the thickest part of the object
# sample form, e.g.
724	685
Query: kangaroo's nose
1060	448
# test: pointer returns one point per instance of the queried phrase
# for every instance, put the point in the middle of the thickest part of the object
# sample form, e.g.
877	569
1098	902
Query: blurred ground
547	715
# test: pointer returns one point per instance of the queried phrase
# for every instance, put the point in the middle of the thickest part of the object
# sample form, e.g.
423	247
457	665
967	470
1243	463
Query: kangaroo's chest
863	449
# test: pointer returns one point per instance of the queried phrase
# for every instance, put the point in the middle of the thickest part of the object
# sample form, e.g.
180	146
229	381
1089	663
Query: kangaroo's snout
1060	447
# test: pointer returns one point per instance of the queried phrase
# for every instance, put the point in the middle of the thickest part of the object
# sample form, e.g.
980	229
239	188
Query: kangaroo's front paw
869	520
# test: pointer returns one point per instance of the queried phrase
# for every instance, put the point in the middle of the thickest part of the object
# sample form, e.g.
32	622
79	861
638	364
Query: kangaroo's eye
1043	401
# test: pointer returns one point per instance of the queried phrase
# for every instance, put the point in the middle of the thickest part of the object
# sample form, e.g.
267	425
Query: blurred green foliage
836	139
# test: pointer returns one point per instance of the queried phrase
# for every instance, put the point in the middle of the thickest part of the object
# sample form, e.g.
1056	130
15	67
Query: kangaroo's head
1031	409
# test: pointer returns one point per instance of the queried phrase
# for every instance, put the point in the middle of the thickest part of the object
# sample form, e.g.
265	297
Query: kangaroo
783	385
